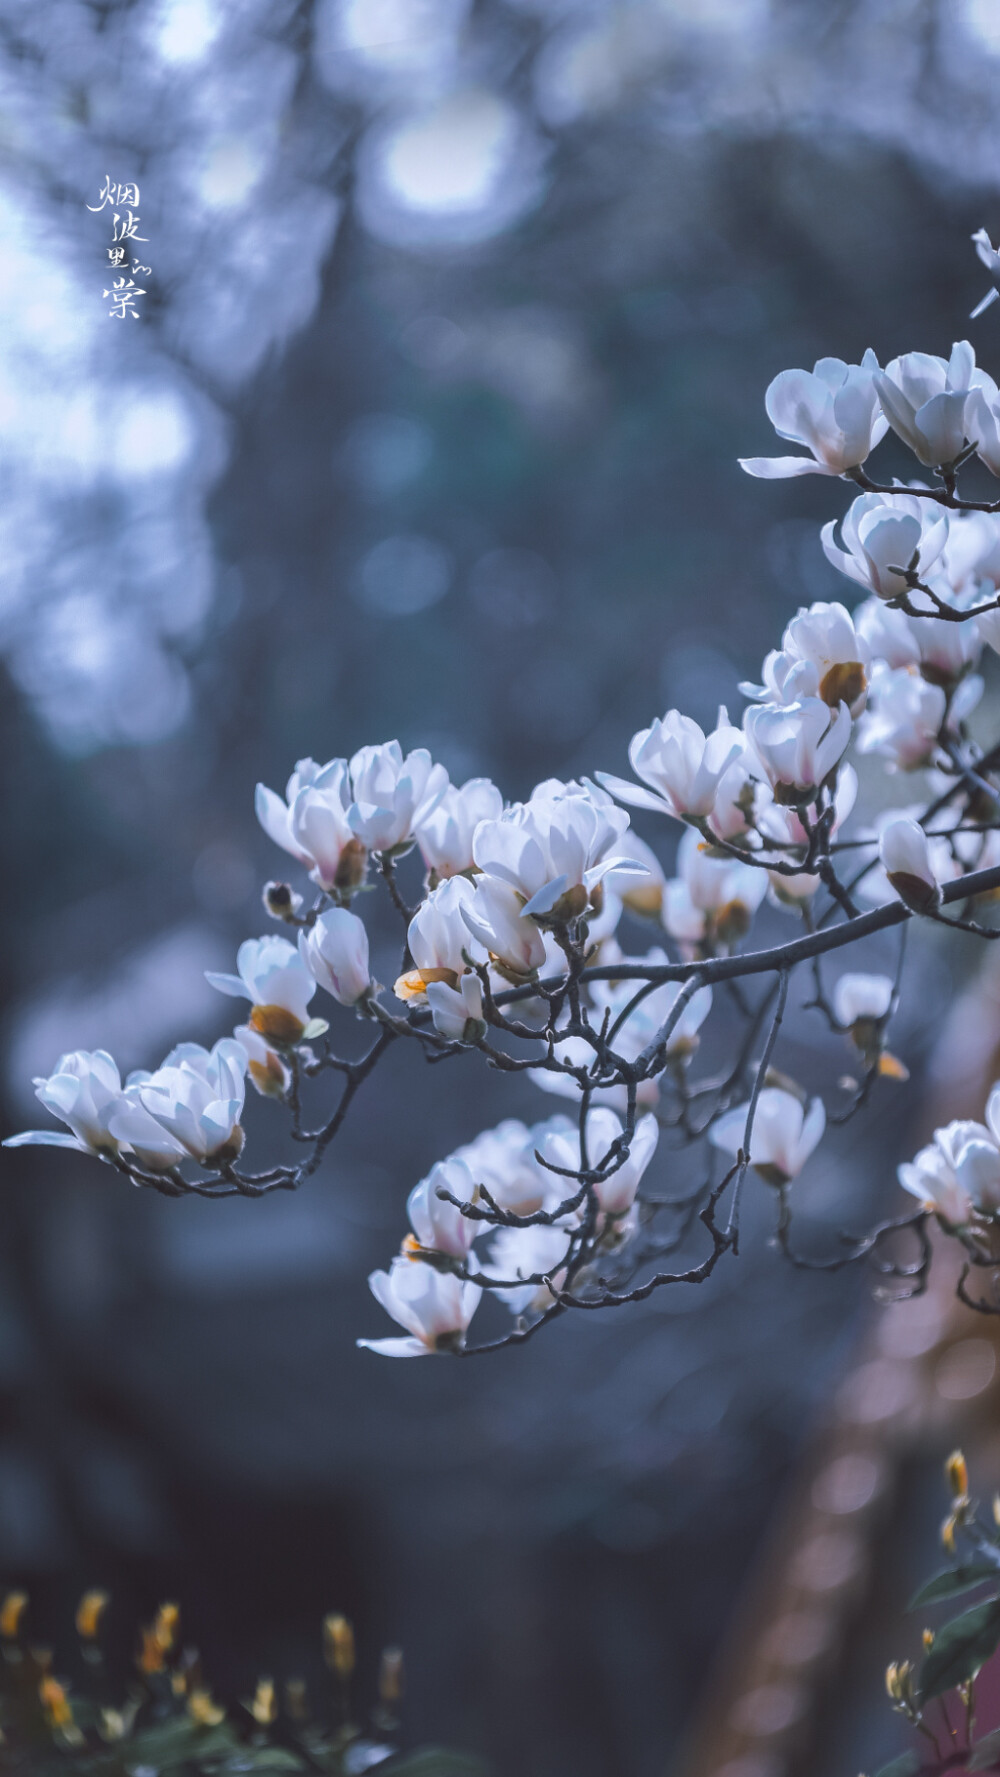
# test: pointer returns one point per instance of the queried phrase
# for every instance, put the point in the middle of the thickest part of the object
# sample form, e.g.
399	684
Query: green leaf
986	1752
952	1581
435	1761
960	1649
906	1765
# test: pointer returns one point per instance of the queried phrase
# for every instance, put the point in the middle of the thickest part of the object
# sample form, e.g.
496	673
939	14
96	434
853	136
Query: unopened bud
390	1675
956	1474
948	1530
203	1711
11	1611
280	900
928	1640
89	1612
264	1707
351	867
338	1645
897	1680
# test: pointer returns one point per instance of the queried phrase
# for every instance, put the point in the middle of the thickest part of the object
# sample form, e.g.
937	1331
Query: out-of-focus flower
274	977
799	745
883	536
457	1012
821	655
958	1172
553	850
264	1065
782	826
640	894
393	796
437	936
312	824
445	835
906	859
679	764
197	1097
434	1306
539	1251
437	1224
859	996
648	1018
504	1160
784	1134
989	257
890	634
904	718
833	410
616	1193
334	951
84	1091
711	898
924	399
514	944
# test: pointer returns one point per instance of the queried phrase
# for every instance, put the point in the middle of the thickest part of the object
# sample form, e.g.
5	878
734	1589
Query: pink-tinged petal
780	468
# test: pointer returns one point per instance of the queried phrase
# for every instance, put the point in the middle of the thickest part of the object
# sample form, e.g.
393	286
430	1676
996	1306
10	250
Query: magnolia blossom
924	399
457	1012
640	894
783	827
84	1092
959	1172
681	767
434	1306
334	951
711	896
799	745
553	850
904	718
861	998
539	1251
265	1067
892	637
821	655
437	936
197	1097
652	1012
273	975
445	834
883	536
393	796
504	1160
312	824
437	1224
833	410
514	944
989	257
905	855
785	1132
616	1193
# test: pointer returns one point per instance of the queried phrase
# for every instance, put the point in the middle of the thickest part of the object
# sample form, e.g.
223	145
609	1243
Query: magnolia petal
45	1138
780	468
397	1347
230	984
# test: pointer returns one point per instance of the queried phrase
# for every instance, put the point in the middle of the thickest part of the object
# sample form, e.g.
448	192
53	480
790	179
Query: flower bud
338	1645
906	859
280	900
264	1707
335	951
11	1611
390	1675
89	1612
957	1475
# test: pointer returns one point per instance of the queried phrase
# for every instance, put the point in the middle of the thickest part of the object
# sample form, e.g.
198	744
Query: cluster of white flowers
514	939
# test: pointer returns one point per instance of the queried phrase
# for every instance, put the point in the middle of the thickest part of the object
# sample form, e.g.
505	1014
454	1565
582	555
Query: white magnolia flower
434	1306
616	1193
146	1140
903	719
437	936
861	998
799	745
445	835
84	1091
640	894
883	536
334	952
457	1012
264	1065
833	410
782	826
651	1013
906	858
197	1097
821	655
679	764
970	561
710	896
273	976
924	399
437	1224
890	634
553	850
539	1251
989	257
784	1134
505	1161
514	944
393	796
312	824
957	1173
